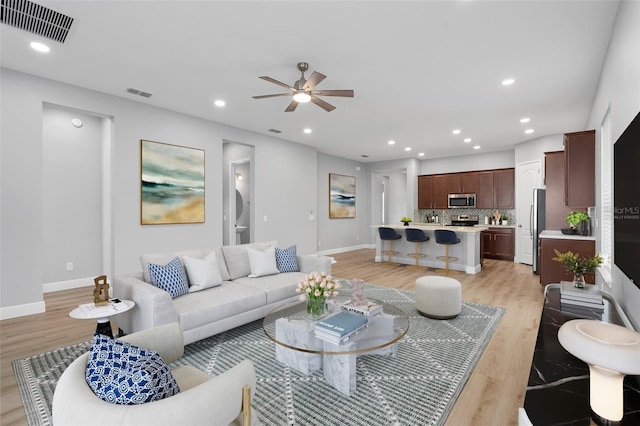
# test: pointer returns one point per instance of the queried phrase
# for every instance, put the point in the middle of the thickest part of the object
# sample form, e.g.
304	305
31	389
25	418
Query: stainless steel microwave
462	201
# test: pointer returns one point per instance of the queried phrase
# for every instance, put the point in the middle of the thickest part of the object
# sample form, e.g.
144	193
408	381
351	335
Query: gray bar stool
446	237
389	235
416	236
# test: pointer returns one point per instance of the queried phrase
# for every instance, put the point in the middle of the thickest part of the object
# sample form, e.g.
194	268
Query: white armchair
203	400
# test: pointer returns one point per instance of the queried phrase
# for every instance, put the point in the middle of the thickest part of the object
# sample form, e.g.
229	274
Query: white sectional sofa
238	300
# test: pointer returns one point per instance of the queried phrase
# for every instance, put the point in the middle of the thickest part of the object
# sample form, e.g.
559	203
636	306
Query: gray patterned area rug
418	387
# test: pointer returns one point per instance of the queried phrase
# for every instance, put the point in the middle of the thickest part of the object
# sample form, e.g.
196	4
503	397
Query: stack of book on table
369	309
340	327
587	297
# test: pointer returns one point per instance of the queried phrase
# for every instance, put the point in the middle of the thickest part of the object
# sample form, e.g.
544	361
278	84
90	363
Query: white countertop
557	235
434	226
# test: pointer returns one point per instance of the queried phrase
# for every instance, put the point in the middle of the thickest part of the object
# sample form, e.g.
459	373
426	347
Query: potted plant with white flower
315	288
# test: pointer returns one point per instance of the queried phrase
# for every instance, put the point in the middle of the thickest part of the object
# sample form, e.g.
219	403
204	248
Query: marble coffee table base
339	370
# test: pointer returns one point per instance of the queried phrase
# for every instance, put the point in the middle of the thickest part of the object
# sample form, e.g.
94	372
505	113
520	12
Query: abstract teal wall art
172	184
342	196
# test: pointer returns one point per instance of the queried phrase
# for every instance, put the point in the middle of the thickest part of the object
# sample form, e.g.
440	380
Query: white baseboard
345	249
22	310
67	285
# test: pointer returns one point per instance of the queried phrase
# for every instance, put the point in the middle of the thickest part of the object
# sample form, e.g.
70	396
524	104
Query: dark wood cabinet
494	189
484	190
432	192
552	272
580	165
461	183
554	175
504	187
498	243
440	193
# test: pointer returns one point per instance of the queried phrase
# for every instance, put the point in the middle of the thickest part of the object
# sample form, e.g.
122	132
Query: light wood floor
492	395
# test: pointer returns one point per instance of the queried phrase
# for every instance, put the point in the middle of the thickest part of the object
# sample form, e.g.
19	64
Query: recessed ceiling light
76	122
508	82
528	131
408	148
307	131
40	47
525	120
467	140
476	147
391	142
421	154
220	103
456	132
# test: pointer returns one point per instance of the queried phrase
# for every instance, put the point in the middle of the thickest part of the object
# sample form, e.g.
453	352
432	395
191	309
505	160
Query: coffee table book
368	310
341	324
338	340
590	292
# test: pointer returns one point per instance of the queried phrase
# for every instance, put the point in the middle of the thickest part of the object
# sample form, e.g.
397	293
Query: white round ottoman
438	297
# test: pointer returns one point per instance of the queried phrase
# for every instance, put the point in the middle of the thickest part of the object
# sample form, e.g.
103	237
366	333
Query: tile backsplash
424	216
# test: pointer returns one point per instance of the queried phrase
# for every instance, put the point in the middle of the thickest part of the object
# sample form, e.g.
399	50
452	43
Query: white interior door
528	177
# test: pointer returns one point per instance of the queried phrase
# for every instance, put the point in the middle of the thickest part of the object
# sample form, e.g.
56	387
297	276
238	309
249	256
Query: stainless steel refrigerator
536	224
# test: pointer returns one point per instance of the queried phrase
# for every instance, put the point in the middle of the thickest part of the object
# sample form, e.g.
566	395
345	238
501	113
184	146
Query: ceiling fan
302	90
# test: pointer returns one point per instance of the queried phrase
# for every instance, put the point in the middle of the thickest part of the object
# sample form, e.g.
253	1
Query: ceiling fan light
302	97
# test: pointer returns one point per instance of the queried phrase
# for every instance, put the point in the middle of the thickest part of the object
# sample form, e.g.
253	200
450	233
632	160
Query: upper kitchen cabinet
461	183
484	190
504	187
432	192
580	164
554	176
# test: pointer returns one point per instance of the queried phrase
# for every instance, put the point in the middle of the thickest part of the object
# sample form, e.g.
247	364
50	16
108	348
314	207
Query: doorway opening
238	193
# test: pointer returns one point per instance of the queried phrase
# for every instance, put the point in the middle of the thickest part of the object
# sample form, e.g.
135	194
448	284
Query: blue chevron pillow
286	259
121	373
170	277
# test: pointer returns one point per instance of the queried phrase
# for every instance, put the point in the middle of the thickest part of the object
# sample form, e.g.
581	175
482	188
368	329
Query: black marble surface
558	389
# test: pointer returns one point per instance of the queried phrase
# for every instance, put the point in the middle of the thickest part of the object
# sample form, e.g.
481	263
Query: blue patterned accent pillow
170	277
286	259
121	373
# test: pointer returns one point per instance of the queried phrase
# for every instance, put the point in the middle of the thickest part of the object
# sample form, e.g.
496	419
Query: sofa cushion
121	373
202	273
164	258
170	277
276	287
286	260
262	262
213	304
237	260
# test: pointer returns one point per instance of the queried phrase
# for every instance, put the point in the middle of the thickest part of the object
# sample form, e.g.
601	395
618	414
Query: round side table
102	314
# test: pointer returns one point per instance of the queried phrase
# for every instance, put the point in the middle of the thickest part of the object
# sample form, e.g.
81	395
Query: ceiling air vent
275	131
36	19
139	92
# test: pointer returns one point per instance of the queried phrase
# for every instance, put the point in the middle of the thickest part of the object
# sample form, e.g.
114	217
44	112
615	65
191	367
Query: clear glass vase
317	307
578	280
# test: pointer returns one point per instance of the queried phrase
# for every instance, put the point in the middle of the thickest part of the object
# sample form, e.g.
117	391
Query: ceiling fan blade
292	106
271	96
315	78
322	104
279	83
344	93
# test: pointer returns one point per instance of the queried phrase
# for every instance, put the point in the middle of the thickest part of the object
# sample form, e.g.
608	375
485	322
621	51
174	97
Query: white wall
338	234
285	177
468	163
619	88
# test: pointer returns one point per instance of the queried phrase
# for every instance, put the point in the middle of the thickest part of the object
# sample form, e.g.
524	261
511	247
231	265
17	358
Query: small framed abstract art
342	196
172	184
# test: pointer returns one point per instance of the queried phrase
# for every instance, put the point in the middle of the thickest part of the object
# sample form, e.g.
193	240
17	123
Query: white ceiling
419	68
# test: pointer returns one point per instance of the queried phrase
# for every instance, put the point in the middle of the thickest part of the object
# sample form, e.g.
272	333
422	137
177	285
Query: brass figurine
101	292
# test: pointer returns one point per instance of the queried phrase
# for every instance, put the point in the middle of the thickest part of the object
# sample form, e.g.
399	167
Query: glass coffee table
290	327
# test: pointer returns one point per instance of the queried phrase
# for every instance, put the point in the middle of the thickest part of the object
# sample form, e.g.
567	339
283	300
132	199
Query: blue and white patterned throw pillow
121	373
286	259
170	277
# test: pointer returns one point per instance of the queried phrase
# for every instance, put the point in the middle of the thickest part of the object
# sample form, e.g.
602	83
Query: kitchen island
467	252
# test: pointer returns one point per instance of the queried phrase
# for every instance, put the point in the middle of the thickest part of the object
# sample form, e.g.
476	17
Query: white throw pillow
203	273
262	262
